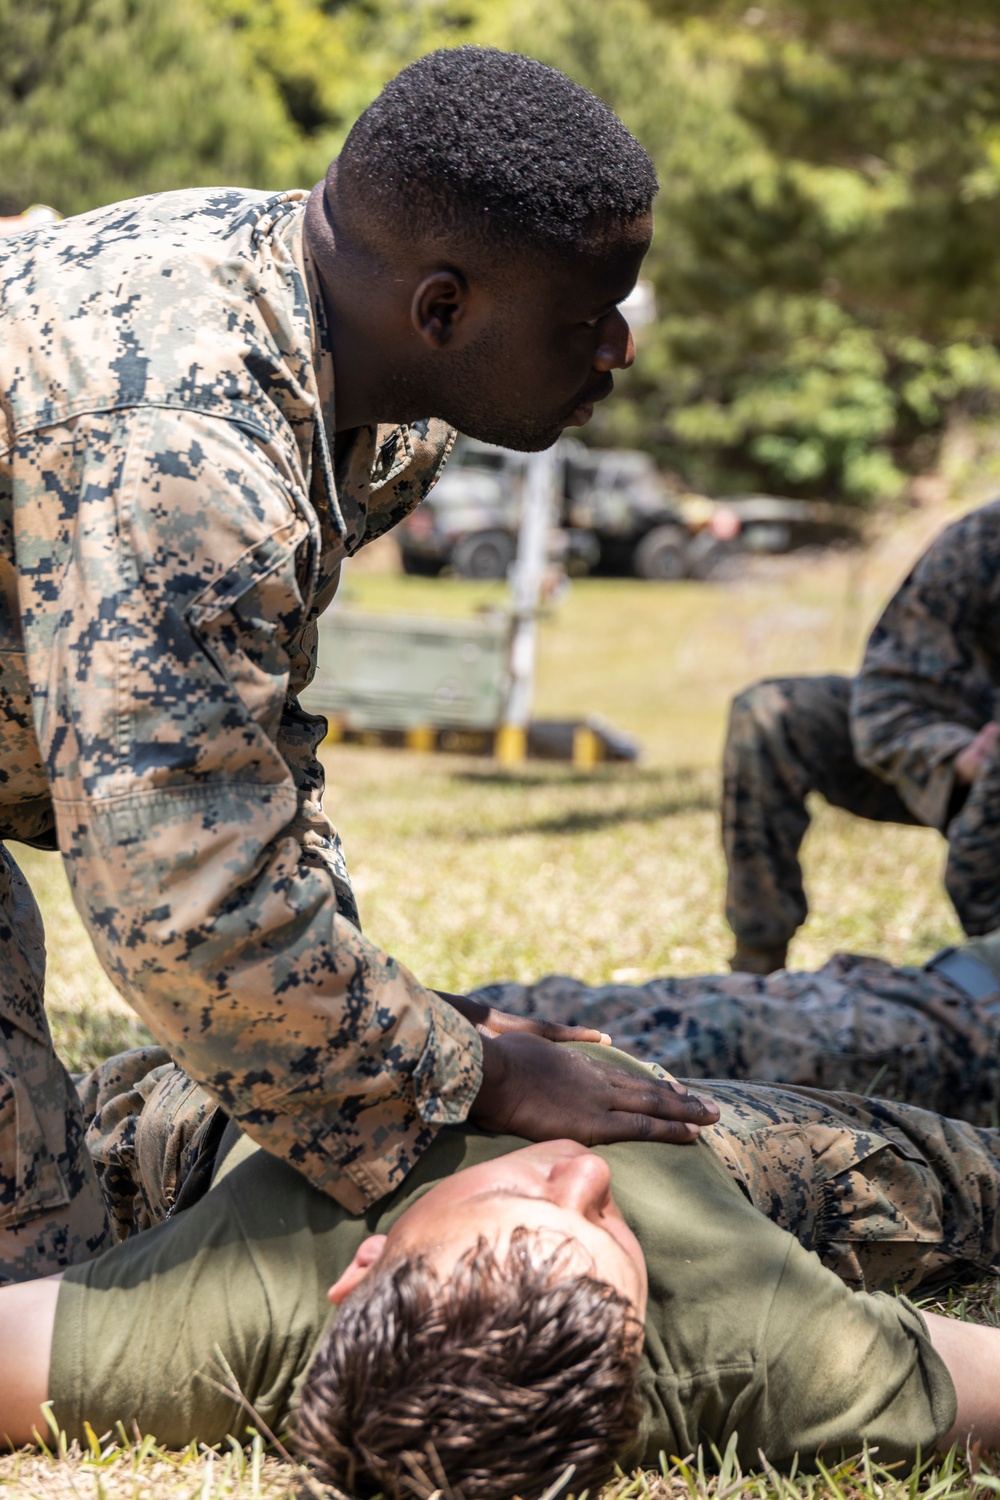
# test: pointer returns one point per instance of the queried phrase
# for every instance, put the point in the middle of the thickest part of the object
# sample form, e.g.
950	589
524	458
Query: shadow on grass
555	774
581	820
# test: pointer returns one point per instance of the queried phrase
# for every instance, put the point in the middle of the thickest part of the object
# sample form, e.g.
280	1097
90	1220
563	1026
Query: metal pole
526	577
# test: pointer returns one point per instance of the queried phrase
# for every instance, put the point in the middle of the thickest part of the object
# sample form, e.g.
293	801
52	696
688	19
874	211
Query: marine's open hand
544	1092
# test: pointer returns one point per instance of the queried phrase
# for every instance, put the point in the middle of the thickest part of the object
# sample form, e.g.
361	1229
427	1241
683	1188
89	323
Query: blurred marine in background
912	739
928	1033
208	399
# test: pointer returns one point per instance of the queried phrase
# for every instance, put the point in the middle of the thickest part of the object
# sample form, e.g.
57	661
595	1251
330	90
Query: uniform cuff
449	1074
442	1089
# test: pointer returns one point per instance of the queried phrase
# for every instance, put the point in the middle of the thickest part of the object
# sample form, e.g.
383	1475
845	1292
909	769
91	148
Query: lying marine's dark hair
497	143
483	1387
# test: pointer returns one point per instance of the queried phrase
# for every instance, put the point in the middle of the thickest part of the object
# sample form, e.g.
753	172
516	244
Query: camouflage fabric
149	1127
886	1194
787	737
881	745
931	671
857	1023
173	515
971	871
51	1210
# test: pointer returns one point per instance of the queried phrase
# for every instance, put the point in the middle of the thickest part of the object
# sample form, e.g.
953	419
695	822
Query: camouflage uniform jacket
171	526
931	671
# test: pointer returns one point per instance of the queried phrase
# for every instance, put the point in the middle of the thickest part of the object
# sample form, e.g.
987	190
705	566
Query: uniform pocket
775	1168
248	621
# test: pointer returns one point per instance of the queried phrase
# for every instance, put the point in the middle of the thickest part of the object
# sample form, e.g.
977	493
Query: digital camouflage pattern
971	870
51	1210
149	1130
857	1023
173	516
885	1193
787	737
930	677
881	745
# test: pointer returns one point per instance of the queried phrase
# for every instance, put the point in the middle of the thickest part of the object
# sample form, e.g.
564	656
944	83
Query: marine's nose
580	1182
617	348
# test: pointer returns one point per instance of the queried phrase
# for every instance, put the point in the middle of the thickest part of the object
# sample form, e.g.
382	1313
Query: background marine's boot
747	960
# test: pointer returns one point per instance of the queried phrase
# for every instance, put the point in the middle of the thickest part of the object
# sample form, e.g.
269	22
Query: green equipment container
402	672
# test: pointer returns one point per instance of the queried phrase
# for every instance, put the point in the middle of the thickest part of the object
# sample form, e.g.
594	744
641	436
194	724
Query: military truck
722	532
615	514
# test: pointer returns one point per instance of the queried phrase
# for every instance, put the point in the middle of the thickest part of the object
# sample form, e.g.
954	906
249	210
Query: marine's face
558	1190
553	340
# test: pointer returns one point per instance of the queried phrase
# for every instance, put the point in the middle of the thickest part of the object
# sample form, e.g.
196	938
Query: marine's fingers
501	1022
553	1031
663	1100
619	1125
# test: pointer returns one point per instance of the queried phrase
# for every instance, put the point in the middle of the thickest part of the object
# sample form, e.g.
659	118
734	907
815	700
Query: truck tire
661	555
712	558
484	554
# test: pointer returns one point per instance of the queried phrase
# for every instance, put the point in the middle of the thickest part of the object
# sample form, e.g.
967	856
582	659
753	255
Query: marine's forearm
910	739
228	939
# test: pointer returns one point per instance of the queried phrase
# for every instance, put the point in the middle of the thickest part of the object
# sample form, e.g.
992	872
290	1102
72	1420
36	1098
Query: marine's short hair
482	1387
474	139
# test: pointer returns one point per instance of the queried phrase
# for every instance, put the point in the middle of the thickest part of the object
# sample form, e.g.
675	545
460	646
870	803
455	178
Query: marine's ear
367	1254
438	306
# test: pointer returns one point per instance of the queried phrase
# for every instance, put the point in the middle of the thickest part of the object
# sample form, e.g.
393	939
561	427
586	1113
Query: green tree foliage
827	253
328	60
829	282
104	99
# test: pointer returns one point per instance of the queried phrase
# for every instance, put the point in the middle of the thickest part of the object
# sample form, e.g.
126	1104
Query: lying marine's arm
924	689
27	1318
972	1354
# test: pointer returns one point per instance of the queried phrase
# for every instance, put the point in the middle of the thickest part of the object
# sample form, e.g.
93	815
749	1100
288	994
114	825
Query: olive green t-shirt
746	1331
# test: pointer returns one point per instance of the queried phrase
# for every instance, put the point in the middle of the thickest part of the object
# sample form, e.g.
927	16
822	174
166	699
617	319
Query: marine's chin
581	415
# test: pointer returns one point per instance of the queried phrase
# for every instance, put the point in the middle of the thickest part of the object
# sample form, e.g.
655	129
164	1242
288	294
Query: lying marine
929	1033
488	1313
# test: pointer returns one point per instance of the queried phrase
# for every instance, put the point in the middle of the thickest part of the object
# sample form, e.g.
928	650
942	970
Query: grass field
468	874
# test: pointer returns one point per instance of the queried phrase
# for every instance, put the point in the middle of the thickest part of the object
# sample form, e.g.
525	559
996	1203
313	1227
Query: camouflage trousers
52	1213
886	1194
787	737
972	871
75	1166
152	1134
857	1023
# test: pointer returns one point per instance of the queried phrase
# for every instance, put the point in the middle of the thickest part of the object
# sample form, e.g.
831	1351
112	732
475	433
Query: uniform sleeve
187	794
925	688
298	739
838	1369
